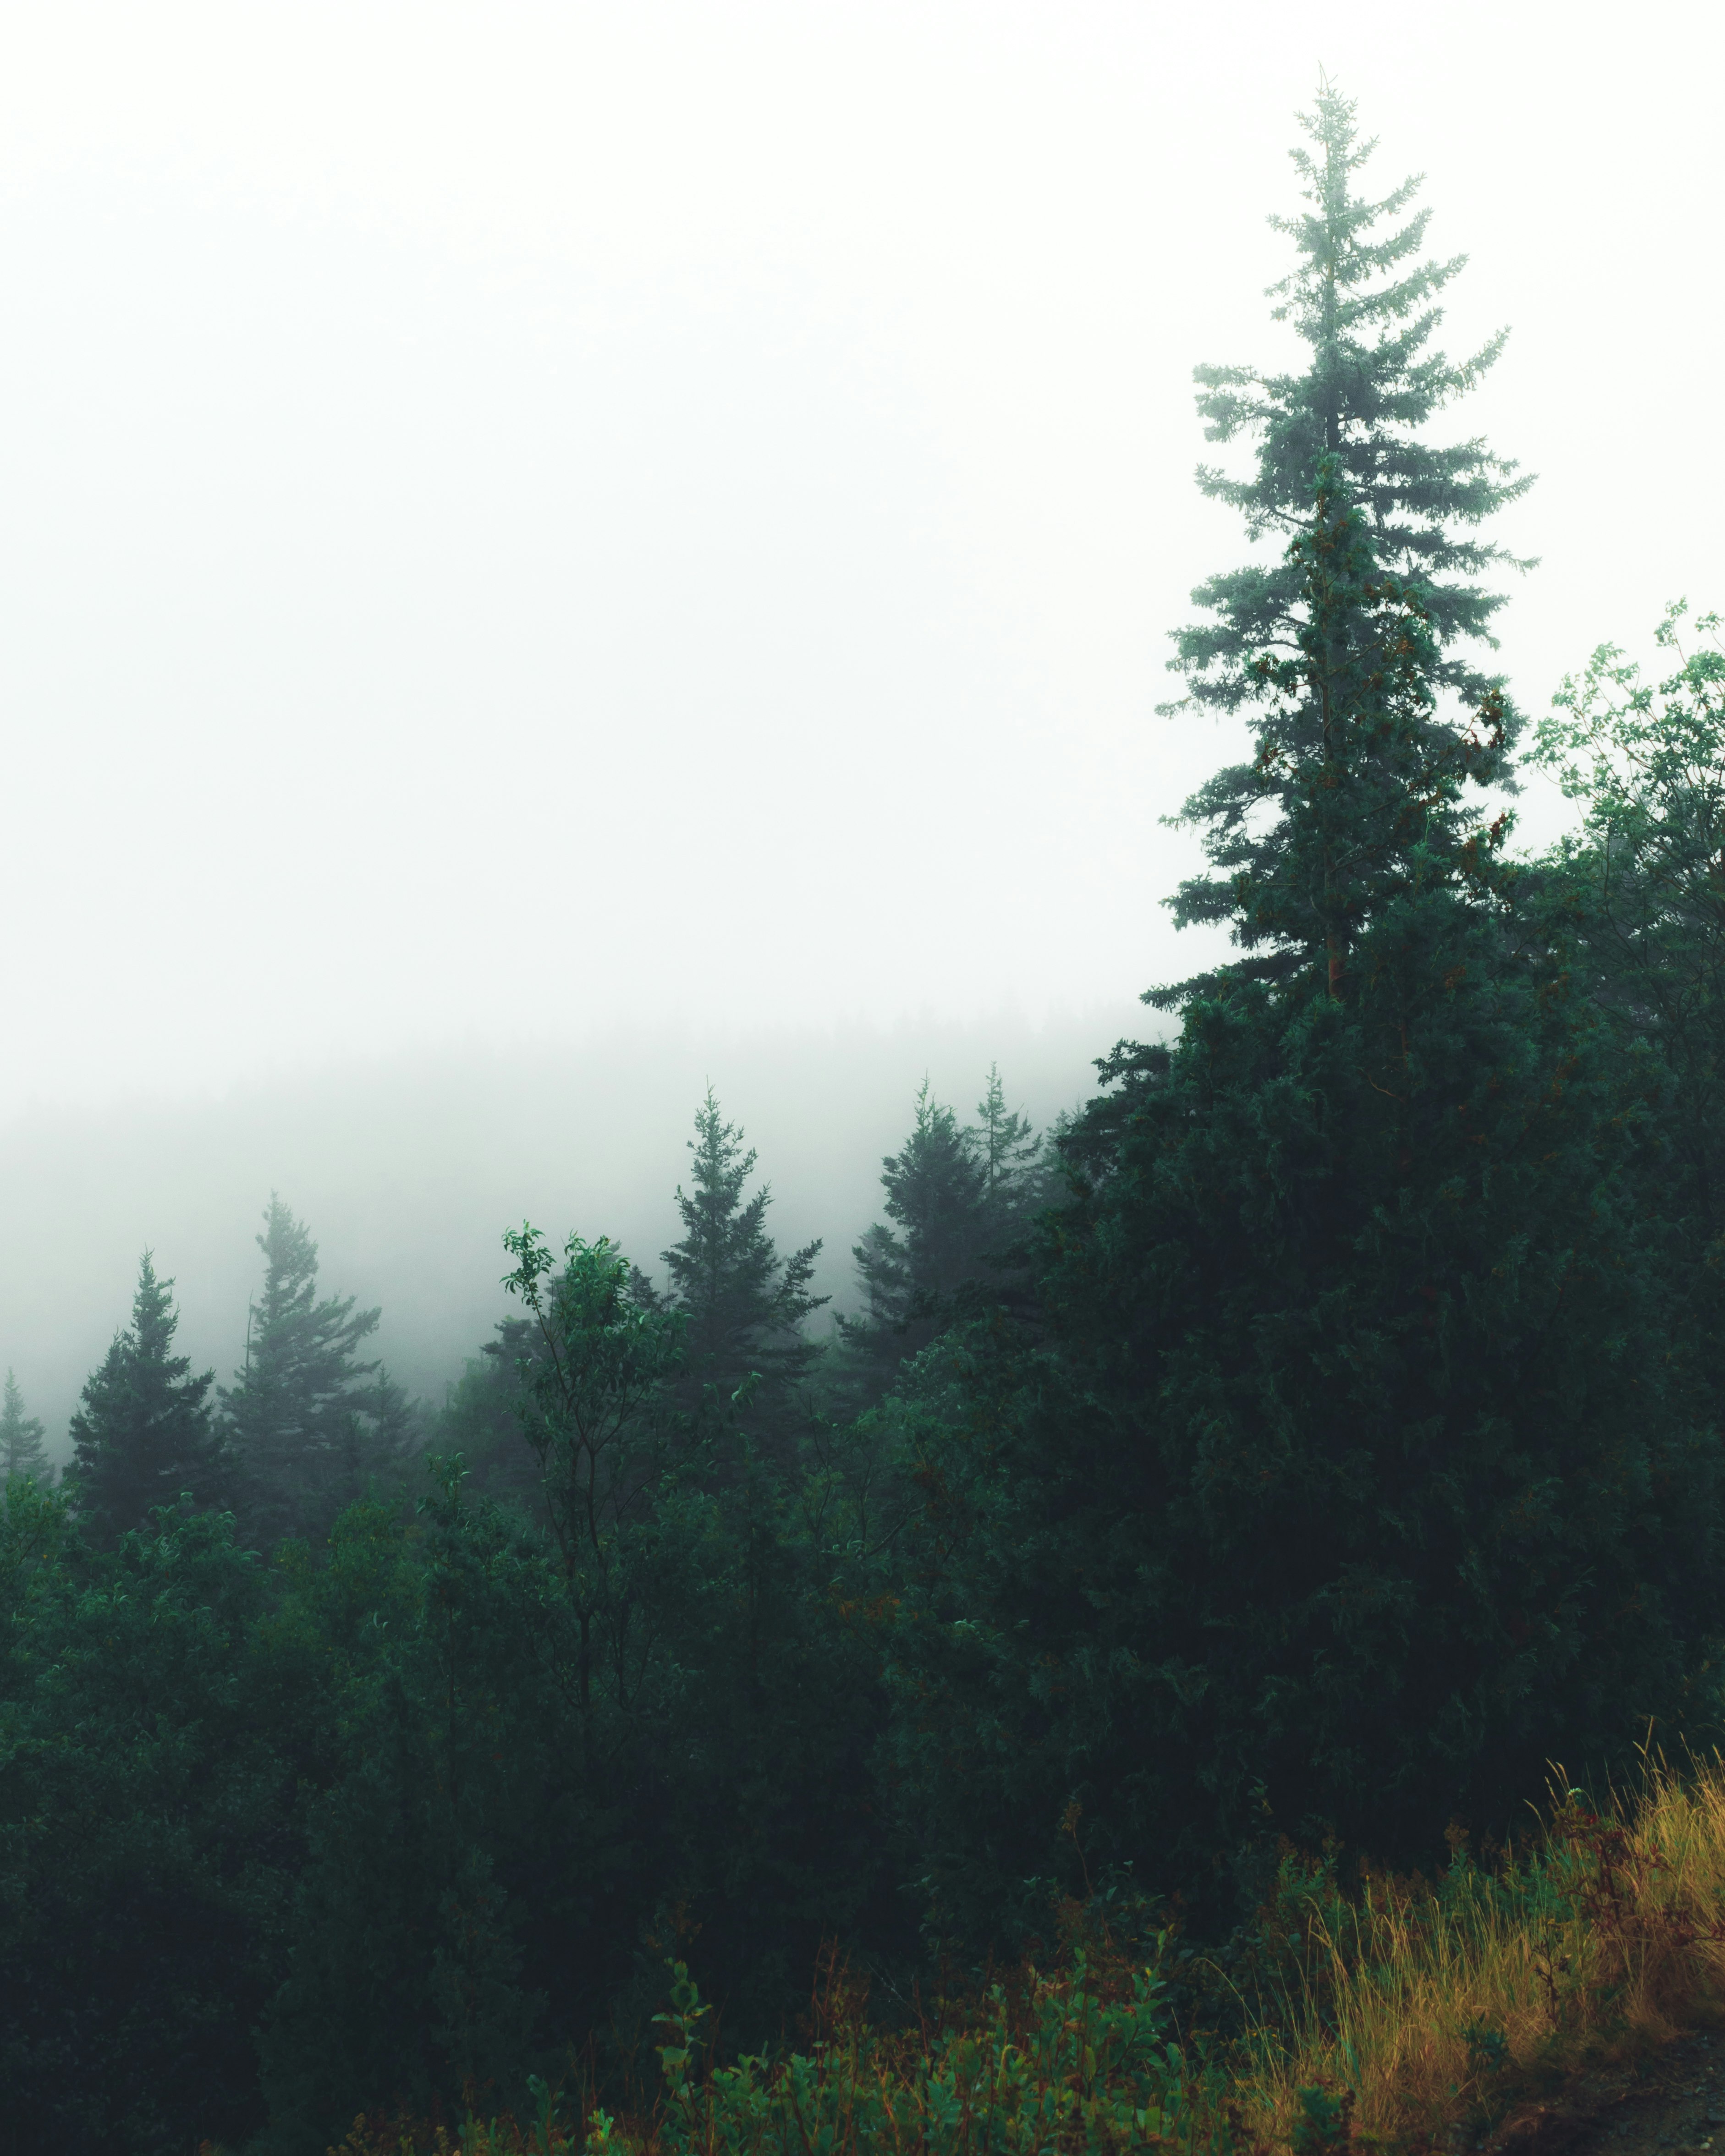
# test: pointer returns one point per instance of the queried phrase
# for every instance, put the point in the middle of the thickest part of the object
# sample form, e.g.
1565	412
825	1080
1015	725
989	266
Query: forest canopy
1299	1446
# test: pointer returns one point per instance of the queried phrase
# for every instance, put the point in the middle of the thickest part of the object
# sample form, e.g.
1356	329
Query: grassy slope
1407	2014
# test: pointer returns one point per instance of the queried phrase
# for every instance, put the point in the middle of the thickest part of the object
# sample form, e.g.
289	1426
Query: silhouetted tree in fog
143	1434
21	1448
956	1197
743	1305
297	1417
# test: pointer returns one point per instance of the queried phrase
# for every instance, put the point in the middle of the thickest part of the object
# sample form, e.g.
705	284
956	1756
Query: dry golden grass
1384	2017
1420	2005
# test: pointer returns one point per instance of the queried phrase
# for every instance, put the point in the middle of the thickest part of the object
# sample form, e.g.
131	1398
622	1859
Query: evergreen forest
1298	1448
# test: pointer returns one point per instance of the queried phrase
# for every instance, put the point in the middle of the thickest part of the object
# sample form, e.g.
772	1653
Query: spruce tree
143	1435
1353	1471
1011	1157
743	1306
22	1440
291	1416
935	1199
1376	535
956	1197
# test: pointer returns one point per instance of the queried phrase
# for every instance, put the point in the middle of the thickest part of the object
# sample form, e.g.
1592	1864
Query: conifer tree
957	1198
143	1435
290	1415
1355	1469
743	1306
1376	536
1010	1155
22	1440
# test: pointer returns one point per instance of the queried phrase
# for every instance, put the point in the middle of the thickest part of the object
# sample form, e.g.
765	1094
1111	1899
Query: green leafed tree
23	1448
743	1306
593	1406
1636	901
301	1414
143	1434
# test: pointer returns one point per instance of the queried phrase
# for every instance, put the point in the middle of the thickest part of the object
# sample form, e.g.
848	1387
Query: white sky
514	519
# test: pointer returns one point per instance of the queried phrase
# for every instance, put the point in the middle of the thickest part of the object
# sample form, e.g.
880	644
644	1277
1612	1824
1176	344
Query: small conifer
23	1441
142	1436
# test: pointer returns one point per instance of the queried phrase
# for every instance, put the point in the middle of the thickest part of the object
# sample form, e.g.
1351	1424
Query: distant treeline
1304	1446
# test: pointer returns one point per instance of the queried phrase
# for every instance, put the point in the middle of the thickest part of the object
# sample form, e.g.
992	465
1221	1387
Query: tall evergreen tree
743	1305
143	1434
22	1440
1356	1469
1378	547
292	1414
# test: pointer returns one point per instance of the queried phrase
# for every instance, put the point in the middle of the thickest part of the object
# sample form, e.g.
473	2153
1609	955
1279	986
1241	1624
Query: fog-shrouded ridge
679	509
407	1170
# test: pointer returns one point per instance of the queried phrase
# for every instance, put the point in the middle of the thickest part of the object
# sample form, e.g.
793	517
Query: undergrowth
1395	2011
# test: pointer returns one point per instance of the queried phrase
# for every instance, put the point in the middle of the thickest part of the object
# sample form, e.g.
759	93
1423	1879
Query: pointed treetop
23	1447
1373	727
1365	302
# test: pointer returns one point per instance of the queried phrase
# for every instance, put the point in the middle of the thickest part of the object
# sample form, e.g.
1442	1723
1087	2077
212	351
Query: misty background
551	555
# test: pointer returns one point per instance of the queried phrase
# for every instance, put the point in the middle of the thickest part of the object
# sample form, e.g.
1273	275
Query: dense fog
408	1170
584	597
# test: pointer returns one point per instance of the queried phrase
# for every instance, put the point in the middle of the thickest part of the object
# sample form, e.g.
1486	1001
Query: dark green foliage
145	1833
143	1434
957	1198
571	1735
1358	1462
934	1193
1377	526
1635	902
594	1411
1369	788
1340	1449
1358	1478
1010	1154
304	1430
480	1417
743	1306
1637	899
22	1446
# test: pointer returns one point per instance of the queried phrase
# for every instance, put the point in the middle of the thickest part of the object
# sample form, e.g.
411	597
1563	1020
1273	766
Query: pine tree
743	1305
956	1198
143	1435
1349	653
1011	1156
22	1446
936	1197
1356	1468
291	1416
